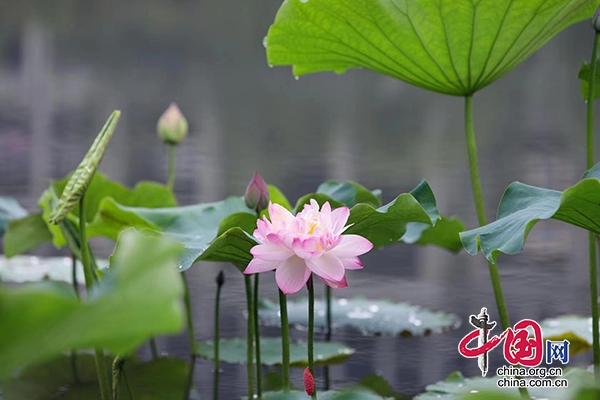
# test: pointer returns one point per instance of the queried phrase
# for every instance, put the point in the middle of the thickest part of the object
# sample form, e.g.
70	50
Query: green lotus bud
257	193
172	126
596	20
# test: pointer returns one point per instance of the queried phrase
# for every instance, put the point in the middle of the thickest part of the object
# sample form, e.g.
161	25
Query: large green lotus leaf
522	206
448	46
139	297
163	378
82	177
21	269
101	193
347	394
9	209
371	317
26	234
576	329
234	351
457	387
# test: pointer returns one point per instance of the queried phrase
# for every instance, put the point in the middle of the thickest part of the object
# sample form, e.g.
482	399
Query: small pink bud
257	193
309	382
172	126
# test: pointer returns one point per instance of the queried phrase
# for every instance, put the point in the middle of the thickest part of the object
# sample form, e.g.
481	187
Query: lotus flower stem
89	283
592	242
171	176
257	340
117	372
220	282
76	290
285	342
328	296
250	338
191	334
479	205
311	330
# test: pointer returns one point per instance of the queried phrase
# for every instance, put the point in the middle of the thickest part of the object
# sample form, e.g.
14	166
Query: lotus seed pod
172	126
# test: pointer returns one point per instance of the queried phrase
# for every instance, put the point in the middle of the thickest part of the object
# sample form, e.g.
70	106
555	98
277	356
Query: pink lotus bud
309	382
257	193
172	126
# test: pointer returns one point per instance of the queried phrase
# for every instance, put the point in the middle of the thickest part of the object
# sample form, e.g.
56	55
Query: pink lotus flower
311	241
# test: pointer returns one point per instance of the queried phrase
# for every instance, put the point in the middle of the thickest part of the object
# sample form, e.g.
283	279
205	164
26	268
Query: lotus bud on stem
257	194
220	282
172	128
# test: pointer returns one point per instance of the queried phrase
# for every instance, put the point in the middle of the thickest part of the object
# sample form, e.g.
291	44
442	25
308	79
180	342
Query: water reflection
62	70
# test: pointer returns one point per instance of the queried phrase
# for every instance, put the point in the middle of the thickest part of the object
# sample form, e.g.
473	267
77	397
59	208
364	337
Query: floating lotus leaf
9	209
234	351
448	46
82	177
21	269
522	206
376	317
576	329
163	379
457	387
117	316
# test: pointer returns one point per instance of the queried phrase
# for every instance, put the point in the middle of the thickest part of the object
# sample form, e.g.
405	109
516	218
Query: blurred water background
64	65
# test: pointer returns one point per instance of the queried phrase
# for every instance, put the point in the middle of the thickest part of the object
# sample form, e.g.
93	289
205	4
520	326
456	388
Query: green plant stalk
592	242
216	345
76	290
285	343
89	283
171	176
328	331
479	206
250	338
257	339
191	335
311	330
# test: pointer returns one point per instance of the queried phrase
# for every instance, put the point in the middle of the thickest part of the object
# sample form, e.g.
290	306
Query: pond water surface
65	66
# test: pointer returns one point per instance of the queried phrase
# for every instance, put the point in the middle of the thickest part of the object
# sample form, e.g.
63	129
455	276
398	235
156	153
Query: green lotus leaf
26	234
457	387
163	378
522	206
370	317
9	209
234	351
455	47
101	191
82	177
117	316
574	328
